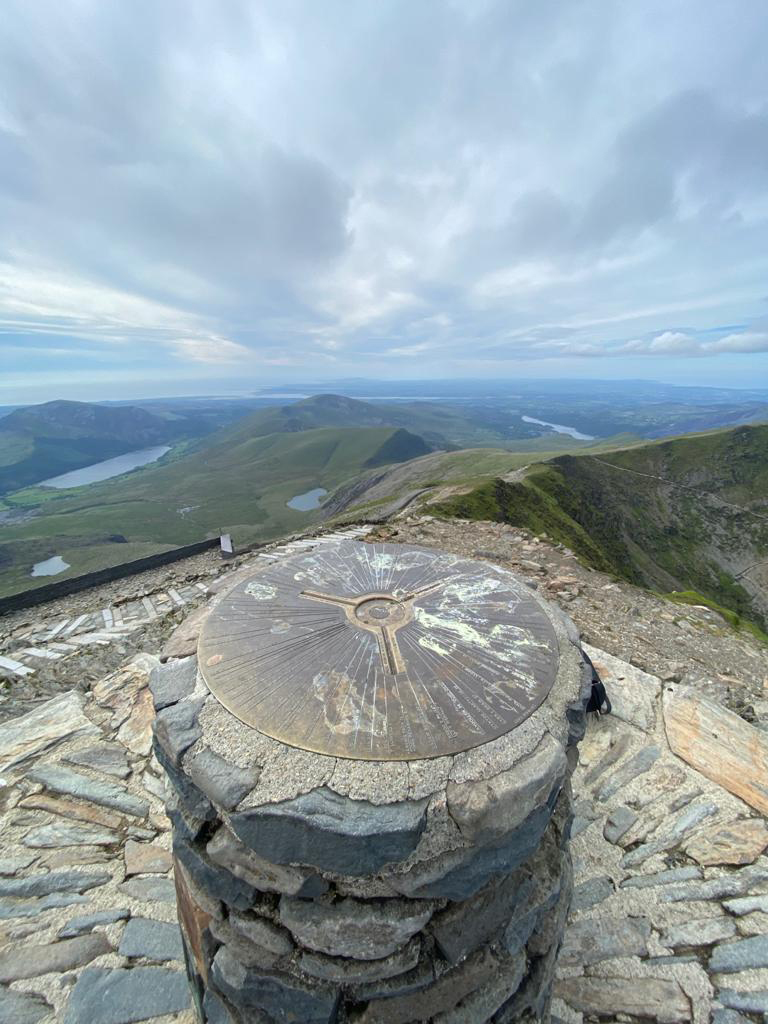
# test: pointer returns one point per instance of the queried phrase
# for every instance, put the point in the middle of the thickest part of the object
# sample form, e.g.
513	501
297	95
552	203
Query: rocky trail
670	916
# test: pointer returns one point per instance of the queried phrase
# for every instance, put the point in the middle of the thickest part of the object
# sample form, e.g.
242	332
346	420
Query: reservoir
560	429
308	500
50	567
109	468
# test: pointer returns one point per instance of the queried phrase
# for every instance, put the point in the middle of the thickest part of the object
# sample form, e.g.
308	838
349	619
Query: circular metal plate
380	652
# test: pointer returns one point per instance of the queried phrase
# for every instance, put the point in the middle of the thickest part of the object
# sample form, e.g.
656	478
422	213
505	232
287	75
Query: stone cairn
319	881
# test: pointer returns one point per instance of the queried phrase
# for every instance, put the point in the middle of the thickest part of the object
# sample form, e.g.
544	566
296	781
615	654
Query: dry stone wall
314	889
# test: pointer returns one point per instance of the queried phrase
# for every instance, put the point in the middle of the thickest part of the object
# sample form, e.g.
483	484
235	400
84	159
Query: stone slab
152	940
278	995
119	996
222	782
698	933
331	832
21	1008
59	834
719	744
146	858
62	780
32	961
54	882
108	758
58	719
228	852
655	999
634	694
740	955
80	925
354	928
590	940
173	681
736	842
638	764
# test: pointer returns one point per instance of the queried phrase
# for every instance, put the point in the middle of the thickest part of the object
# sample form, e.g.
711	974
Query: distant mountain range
685	514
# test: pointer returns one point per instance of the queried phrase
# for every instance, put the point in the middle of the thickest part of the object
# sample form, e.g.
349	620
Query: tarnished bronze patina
380	652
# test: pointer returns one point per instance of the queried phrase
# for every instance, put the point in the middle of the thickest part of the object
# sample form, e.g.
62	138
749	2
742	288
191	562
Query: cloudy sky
210	191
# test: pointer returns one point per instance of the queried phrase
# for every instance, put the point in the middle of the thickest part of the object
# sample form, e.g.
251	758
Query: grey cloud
483	180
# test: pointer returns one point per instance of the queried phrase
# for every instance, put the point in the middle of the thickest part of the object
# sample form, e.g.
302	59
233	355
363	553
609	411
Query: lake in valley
108	468
308	500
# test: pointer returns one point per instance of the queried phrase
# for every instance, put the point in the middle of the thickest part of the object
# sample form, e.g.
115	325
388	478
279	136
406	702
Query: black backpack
598	699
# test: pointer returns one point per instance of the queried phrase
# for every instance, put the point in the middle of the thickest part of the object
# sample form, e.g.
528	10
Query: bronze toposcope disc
380	652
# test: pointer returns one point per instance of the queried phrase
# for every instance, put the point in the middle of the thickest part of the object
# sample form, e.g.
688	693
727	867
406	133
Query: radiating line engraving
380	652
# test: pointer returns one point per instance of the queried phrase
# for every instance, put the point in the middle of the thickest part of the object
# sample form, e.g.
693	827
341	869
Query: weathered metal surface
380	652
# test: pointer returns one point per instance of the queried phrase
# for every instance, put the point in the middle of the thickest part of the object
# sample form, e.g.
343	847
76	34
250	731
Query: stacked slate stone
314	889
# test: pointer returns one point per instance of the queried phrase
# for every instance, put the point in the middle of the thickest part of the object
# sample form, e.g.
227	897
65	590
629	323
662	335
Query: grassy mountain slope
689	514
44	440
240	487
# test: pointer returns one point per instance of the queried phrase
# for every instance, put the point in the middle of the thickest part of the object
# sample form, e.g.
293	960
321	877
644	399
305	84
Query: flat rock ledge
313	889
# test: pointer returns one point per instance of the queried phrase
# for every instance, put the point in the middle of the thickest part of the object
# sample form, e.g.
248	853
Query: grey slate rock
584	813
62	780
31	908
155	940
462	927
278	995
192	801
212	879
119	996
587	942
734	884
669	877
32	961
80	925
698	933
638	764
592	891
62	833
740	955
109	758
55	881
347	971
725	1016
750	1002
216	1010
361	929
747	905
20	1008
173	681
261	933
618	822
228	852
13	865
685	823
223	783
474	868
177	728
150	889
402	984
332	832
